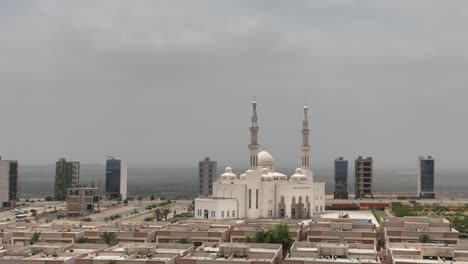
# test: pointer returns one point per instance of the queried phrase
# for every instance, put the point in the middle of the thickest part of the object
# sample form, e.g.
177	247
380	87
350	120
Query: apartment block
426	172
427	253
342	230
364	174
217	253
207	174
326	253
82	201
8	183
410	229
67	175
341	179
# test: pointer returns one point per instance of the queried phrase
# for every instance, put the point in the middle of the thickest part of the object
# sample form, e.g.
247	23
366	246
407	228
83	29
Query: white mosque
261	192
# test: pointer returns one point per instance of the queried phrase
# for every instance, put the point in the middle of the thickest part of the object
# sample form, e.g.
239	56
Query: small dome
298	171
264	171
228	174
264	158
298	175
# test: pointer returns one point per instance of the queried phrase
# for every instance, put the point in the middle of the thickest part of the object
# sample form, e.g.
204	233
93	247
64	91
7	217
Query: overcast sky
169	82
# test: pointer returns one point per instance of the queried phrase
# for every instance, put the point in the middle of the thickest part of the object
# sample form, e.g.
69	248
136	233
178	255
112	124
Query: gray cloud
170	82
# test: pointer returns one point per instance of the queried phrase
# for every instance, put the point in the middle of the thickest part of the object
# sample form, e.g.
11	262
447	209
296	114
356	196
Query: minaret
305	142
254	138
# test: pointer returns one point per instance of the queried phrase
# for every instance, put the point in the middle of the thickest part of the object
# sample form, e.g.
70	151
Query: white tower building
261	192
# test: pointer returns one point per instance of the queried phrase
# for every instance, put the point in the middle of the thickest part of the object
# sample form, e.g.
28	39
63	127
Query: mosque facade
261	192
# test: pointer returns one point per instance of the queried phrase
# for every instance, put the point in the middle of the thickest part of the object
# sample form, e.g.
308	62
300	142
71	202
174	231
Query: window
213	213
256	199
233	213
227	214
270	213
321	208
316	208
250	198
222	214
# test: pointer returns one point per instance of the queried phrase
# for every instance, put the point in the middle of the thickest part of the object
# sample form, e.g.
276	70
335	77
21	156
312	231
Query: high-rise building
341	179
82	200
207	174
116	177
364	178
8	183
426	177
67	175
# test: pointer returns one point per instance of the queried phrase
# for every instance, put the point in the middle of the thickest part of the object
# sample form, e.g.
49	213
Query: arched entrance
282	208
206	214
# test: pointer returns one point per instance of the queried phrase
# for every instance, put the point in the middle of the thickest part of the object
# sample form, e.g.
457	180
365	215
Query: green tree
166	212
110	238
425	238
152	197
82	240
191	207
125	202
157	213
35	237
277	235
465	206
140	199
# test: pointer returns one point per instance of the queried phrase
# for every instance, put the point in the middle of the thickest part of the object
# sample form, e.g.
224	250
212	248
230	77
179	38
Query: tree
157	213
166	212
35	237
152	197
465	206
277	235
82	240
125	202
425	238
110	238
140	199
191	208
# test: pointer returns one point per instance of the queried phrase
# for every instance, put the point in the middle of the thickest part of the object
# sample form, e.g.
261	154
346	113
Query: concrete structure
217	253
261	192
195	232
410	229
364	178
139	253
8	183
82	200
67	175
426	173
207	174
343	230
341	179
408	253
116	177
49	253
326	253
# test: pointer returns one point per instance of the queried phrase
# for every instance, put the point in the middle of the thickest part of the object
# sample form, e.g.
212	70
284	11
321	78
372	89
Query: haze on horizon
169	82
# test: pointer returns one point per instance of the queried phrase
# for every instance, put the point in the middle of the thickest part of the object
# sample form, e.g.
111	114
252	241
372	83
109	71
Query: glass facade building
341	179
116	177
426	177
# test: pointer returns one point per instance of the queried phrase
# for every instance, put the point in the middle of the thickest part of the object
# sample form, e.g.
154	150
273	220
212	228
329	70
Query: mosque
261	192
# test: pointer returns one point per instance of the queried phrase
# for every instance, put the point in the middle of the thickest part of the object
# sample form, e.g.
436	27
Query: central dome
265	159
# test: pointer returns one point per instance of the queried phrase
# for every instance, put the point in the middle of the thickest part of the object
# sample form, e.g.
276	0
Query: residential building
139	253
116	177
82	200
262	192
427	253
67	175
216	253
410	229
341	179
8	183
57	253
241	231
426	173
343	230
326	253
364	178
207	174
